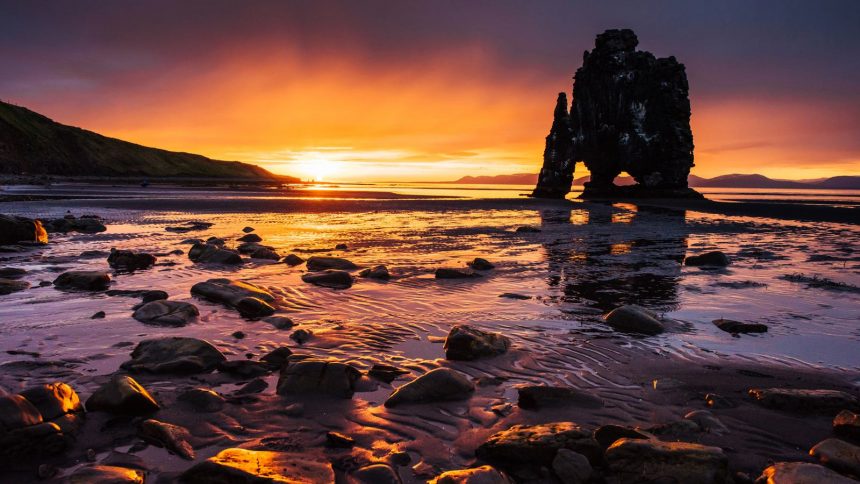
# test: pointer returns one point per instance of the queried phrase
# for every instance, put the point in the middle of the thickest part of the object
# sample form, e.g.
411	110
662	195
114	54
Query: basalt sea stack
630	113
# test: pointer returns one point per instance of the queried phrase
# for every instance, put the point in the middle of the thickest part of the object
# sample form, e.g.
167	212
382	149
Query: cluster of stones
630	113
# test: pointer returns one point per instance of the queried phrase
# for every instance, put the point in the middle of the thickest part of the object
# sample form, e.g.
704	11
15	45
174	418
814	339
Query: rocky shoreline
281	399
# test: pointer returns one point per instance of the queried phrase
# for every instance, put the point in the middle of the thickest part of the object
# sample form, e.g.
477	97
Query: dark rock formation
630	113
19	229
556	175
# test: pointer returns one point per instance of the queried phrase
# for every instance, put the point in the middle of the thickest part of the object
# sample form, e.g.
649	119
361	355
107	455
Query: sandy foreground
586	259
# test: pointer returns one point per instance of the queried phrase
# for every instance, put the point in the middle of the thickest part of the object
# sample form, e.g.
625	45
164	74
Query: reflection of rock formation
621	256
630	112
557	172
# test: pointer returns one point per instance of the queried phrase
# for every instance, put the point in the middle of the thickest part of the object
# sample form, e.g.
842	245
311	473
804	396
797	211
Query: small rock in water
280	322
177	355
210	253
476	475
293	260
166	313
122	395
249	237
804	401
537	445
468	343
12	273
376	272
250	300
735	327
838	455
480	264
153	295
127	260
333	279
256	385
277	358
376	474
801	473
448	273
536	397
98	315
8	286
606	435
340	247
634	319
248	230
236	465
172	437
511	295
718	401
83	280
202	399
319	378
338	441
265	253
301	336
633	460
715	258
528	229
386	373
847	424
320	263
189	227
571	467
707	422
244	368
439	385
238	335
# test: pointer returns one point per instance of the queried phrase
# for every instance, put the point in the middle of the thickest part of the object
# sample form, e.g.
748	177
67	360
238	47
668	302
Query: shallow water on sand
588	258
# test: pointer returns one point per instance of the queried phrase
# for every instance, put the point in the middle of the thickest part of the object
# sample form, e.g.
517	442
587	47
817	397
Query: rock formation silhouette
630	113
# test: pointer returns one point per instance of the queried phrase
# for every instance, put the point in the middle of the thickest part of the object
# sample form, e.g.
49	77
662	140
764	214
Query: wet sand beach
794	268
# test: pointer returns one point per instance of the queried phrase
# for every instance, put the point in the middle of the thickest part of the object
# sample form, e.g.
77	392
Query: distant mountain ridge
724	181
33	144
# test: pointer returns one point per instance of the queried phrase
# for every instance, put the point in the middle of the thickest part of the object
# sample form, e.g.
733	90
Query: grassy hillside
33	144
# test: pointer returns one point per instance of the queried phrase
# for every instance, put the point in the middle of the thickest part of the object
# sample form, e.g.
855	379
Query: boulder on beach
8	286
439	385
265	253
537	445
20	229
172	437
634	319
249	237
277	358
467	343
635	460
53	400
12	273
280	322
606	435
377	473
214	254
166	313
805	401
481	264
320	263
333	279
379	272
715	258
801	473
847	424
83	280
248	299
106	474
386	373
127	260
451	273
236	465
317	377
17	412
536	397
293	260
244	369
476	475
838	455
176	355
572	467
734	327
122	395
202	400
189	227
85	224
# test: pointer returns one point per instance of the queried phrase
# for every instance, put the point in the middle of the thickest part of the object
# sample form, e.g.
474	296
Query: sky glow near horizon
415	91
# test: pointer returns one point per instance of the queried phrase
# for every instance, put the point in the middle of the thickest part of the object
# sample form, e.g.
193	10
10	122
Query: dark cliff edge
33	144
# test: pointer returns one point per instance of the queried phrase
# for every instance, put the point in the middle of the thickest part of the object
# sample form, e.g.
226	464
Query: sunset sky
429	90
